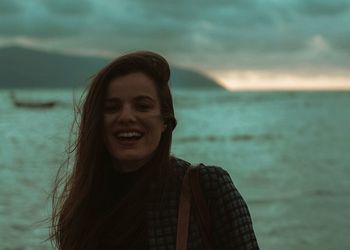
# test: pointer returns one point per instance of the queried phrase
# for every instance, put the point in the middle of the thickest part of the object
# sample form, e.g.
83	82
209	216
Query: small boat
32	104
35	104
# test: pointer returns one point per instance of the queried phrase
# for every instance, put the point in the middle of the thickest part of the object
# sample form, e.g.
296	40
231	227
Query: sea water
288	153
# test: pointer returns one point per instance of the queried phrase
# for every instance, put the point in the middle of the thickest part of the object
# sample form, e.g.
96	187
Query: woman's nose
127	115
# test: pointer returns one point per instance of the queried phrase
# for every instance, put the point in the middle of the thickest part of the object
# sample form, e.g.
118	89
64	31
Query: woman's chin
130	163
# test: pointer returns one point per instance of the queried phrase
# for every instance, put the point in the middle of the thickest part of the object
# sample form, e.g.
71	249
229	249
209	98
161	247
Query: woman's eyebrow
144	98
137	98
111	99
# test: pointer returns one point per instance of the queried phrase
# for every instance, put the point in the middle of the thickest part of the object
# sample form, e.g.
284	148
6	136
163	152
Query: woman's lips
128	138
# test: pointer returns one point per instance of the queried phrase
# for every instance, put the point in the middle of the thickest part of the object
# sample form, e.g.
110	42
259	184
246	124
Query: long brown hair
81	196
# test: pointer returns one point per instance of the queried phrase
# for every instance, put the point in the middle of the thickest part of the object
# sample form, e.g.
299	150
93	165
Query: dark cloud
52	29
341	42
239	33
68	8
9	7
44	19
324	8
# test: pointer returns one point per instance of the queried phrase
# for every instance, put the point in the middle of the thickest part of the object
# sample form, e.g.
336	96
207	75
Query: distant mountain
23	67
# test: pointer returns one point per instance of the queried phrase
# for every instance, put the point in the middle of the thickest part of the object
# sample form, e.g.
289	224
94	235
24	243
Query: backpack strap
184	213
201	206
191	188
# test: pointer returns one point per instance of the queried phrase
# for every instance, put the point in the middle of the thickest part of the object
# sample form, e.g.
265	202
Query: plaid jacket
231	223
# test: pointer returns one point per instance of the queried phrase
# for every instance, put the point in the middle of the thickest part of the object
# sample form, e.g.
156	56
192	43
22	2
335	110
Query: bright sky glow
254	80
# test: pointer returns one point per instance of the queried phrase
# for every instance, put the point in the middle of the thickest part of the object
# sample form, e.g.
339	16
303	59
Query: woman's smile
128	134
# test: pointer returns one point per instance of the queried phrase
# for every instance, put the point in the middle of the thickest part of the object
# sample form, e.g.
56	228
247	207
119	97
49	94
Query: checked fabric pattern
231	222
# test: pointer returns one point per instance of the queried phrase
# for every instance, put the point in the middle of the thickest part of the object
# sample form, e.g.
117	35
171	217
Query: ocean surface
287	152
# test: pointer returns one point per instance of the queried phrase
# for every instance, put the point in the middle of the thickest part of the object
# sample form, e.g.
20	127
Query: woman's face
133	124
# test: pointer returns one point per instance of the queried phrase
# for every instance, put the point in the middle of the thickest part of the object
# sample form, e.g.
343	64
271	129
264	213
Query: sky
244	44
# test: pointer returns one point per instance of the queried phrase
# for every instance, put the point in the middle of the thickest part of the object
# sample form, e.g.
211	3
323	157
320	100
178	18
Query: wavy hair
82	198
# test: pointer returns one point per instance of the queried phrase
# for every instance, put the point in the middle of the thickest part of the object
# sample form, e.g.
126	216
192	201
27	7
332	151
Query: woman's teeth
129	135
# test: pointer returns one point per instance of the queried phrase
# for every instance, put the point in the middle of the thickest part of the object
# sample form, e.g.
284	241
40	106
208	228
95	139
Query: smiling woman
132	121
124	188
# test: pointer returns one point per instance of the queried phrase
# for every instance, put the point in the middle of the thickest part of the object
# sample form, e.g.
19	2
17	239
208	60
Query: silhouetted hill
23	67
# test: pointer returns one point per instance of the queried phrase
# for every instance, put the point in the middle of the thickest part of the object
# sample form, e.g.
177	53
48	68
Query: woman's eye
110	108
143	107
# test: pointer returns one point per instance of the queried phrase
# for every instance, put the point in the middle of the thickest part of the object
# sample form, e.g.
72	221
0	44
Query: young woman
124	189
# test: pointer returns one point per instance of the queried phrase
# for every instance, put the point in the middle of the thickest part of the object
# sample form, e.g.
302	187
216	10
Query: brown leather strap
191	187
184	213
201	206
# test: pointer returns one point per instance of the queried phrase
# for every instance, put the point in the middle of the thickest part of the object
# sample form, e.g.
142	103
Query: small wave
239	137
323	192
243	137
270	200
210	138
188	139
249	137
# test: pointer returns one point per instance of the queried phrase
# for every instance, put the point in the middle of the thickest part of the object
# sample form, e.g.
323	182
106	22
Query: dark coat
231	223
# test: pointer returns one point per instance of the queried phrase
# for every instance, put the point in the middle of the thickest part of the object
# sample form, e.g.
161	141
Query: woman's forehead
131	86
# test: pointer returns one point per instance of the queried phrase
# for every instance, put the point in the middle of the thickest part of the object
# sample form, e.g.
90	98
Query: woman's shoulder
210	175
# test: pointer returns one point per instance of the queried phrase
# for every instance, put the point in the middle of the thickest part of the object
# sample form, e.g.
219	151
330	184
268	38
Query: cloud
43	19
9	7
242	33
68	8
324	8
